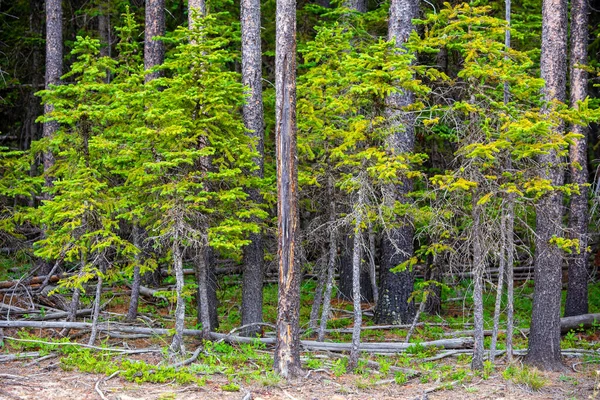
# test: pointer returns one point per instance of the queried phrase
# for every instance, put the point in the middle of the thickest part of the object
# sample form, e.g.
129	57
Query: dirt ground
46	380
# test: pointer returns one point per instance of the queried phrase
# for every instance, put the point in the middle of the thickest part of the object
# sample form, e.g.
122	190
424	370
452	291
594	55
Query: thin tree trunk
137	276
154	50
96	307
330	263
372	268
478	268
356	264
395	289
203	303
577	289
510	251
420	310
508	232
499	290
253	274
544	337
287	350
177	345
318	296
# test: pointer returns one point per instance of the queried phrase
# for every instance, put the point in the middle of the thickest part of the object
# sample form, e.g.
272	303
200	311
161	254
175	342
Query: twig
190	360
97	387
38	360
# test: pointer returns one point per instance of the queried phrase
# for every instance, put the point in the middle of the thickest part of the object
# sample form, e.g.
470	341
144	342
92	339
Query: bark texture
154	50
544	338
395	288
137	276
356	264
478	268
577	289
196	8
253	274
54	70
287	349
177	345
358	5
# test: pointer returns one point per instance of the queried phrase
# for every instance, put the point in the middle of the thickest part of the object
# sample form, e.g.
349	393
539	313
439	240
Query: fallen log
579	321
308	345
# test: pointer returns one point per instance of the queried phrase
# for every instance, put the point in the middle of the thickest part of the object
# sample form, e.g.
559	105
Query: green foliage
528	376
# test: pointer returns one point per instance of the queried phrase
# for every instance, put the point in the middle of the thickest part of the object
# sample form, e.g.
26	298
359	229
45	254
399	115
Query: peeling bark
287	350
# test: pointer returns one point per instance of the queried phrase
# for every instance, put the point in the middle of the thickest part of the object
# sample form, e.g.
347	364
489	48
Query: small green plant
340	366
400	378
528	376
488	369
231	387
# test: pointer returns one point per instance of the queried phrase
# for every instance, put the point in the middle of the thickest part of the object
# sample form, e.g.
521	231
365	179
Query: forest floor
46	380
49	366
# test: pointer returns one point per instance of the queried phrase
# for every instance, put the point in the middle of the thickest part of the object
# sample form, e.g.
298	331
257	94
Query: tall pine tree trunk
544	336
577	291
252	277
54	68
395	289
154	50
287	349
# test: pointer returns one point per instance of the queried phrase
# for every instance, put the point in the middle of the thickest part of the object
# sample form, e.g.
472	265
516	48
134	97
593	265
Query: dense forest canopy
387	149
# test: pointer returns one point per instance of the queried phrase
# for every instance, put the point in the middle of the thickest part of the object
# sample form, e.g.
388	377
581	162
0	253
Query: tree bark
253	273
395	288
203	301
478	268
499	290
577	289
154	50
196	8
137	276
333	234
177	345
54	68
287	350
544	338
356	264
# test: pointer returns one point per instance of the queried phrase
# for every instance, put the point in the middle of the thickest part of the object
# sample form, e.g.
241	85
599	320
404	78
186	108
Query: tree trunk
177	345
510	254
96	309
137	276
395	289
509	213
358	5
346	283
154	50
544	338
203	301
478	268
318	296
54	67
356	264
196	8
253	274
333	234
433	304
499	290
577	289
287	350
